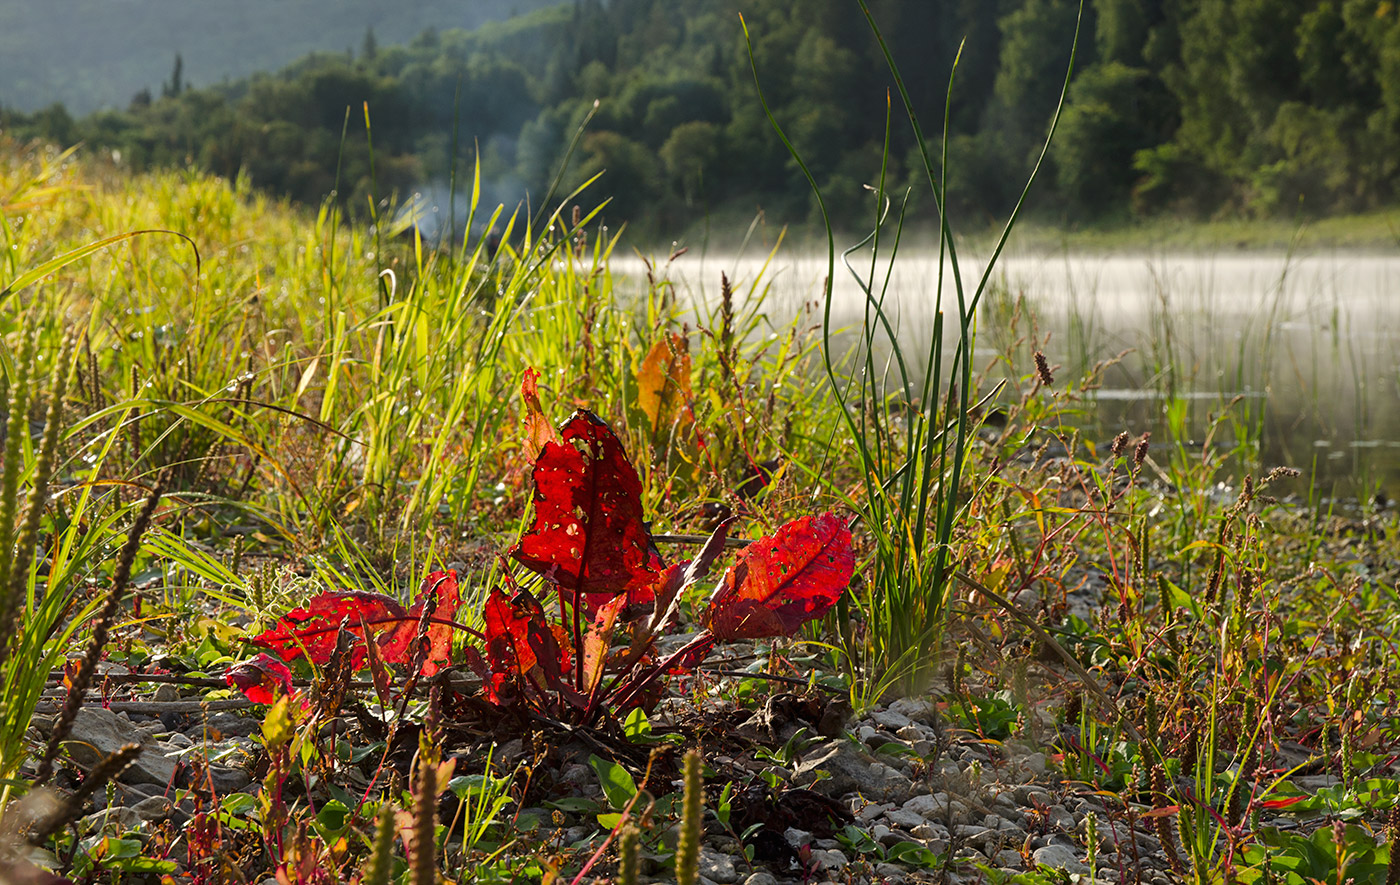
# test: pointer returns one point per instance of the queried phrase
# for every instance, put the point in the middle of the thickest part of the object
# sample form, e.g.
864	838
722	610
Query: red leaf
520	646
441	597
379	674
260	678
780	583
1282	803
598	641
314	628
588	533
538	430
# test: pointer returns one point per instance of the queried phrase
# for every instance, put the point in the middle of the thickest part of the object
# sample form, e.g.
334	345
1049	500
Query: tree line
1189	107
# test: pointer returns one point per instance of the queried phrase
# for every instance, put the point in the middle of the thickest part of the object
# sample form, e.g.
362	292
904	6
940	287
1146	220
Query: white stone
1060	857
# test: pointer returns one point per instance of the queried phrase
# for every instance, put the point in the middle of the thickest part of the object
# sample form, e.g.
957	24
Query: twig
786	680
699	539
156	708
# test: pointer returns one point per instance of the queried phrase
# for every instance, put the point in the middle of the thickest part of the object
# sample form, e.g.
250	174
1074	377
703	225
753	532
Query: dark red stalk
630	690
598	693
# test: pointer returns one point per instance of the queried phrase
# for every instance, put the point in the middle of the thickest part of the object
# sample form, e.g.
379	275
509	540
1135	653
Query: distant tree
1121	30
631	174
176	84
1035	43
689	155
55	124
1113	112
369	49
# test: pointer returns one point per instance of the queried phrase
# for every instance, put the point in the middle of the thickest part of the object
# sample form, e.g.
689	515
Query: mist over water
1306	346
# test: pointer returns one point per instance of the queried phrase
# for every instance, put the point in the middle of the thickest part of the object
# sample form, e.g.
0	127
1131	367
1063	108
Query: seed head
1042	368
1140	453
1120	442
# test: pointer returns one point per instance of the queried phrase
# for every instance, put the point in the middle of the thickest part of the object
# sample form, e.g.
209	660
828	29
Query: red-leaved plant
614	593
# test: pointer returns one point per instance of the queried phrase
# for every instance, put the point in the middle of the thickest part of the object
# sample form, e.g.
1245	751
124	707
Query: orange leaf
663	382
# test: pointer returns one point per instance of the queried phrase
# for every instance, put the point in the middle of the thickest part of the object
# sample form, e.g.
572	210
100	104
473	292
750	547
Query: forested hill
90	54
1196	107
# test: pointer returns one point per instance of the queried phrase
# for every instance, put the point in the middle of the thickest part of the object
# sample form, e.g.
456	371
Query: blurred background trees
1197	107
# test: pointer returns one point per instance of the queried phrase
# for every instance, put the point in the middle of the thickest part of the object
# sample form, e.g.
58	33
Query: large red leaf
312	630
440	597
779	583
260	679
314	627
588	533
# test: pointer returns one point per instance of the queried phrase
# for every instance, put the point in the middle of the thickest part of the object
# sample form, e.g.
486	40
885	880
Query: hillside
92	54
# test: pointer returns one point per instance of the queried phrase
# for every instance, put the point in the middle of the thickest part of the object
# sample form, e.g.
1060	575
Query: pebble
230	725
1060	857
891	719
835	768
118	820
930	832
154	809
1006	858
904	819
871	810
927	805
98	732
178	740
761	878
913	708
574	835
717	867
832	859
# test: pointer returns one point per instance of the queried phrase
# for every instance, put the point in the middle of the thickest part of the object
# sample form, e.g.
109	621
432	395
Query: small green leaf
573	805
238	804
723	809
331	818
913	854
358	754
113	847
636	726
615	780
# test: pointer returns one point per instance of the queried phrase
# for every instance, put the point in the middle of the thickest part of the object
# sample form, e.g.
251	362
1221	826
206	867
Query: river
1305	346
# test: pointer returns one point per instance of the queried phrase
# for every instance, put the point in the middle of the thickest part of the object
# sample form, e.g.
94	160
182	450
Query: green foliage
1260	106
1331	854
1114	112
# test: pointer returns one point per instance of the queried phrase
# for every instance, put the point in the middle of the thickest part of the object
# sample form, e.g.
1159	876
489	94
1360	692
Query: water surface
1304	349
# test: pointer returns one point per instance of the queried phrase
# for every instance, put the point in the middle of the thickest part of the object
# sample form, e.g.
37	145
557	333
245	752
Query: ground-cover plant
594	552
